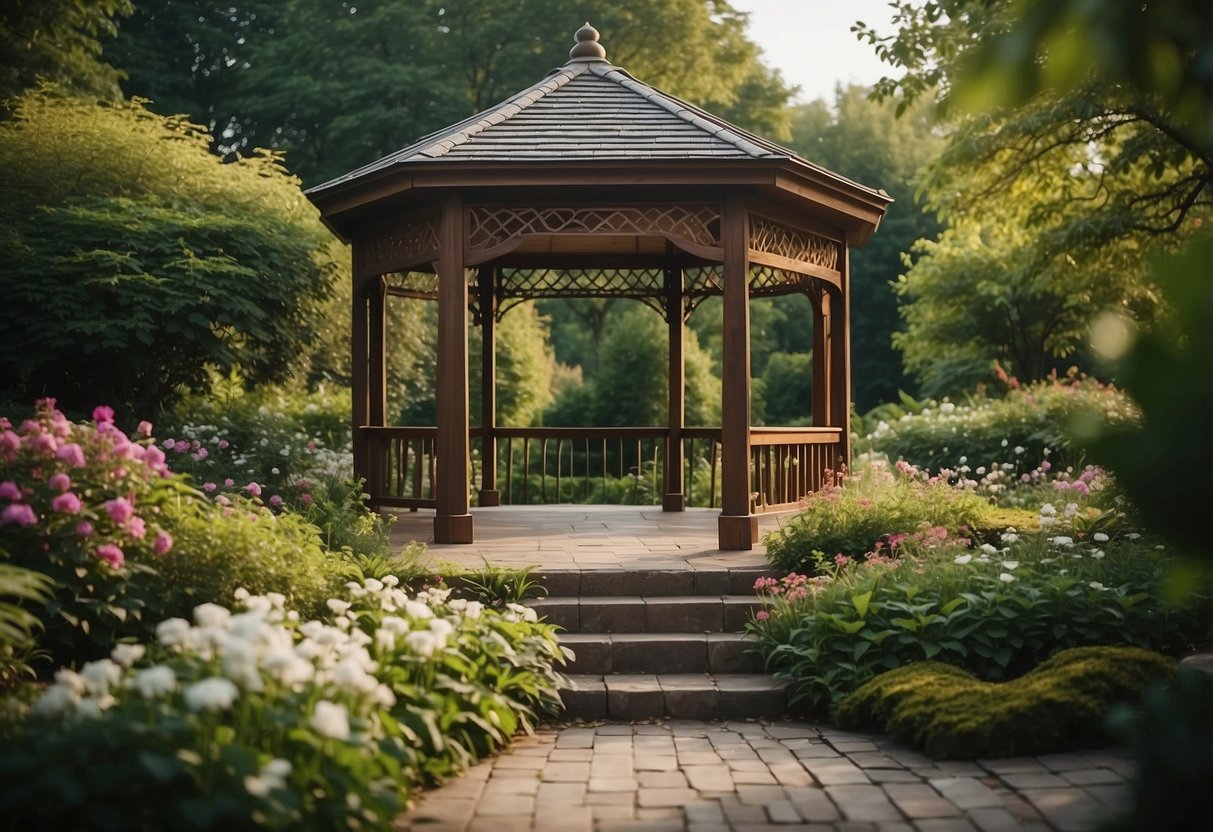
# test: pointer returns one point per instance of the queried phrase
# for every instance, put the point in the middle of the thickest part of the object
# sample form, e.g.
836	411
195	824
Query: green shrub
19	626
1060	705
1023	428
872	503
995	611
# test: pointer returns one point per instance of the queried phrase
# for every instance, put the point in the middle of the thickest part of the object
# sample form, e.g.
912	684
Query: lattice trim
776	238
766	280
406	243
422	284
494	226
518	285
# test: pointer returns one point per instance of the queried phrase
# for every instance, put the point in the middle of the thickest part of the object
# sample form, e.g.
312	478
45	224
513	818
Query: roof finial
587	45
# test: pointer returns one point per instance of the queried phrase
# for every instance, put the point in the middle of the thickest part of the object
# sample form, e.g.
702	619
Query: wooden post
452	521
359	369
738	525
376	295
821	356
840	357
674	499
488	494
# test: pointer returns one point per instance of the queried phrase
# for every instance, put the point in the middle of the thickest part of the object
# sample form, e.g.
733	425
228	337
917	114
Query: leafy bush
18	625
156	260
85	506
994	611
1023	428
1060	705
849	517
258	720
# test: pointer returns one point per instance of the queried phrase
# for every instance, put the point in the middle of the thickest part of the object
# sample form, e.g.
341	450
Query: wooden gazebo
594	184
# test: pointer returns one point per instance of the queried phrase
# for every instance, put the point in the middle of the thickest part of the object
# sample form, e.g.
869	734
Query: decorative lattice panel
412	284
406	243
493	226
518	285
775	238
766	280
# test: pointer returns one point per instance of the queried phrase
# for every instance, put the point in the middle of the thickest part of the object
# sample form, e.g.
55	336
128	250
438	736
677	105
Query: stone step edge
677	696
603	653
649	614
608	582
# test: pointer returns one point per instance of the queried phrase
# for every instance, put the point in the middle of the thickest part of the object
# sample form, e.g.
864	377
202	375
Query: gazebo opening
592	184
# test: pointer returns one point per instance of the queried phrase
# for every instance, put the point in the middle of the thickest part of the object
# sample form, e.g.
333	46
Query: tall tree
59	41
1121	174
867	141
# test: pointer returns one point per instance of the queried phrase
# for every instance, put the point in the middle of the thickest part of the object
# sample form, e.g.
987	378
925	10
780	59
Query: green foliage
1023	427
1060	705
318	81
58	41
788	389
525	364
869	142
495	586
1170	737
154	260
851	516
19	588
996	611
260	720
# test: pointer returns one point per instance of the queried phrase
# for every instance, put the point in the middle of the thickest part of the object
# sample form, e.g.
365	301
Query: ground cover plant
1059	705
994	609
256	717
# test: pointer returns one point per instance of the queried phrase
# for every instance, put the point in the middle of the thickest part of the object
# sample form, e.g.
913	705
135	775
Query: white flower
422	642
1047	510
1005	443
331	720
416	609
56	701
1098	554
963	460
99	675
71	680
527	613
172	631
390	580
155	681
337	605
241	594
127	654
1009	537
963	559
473	610
1006	577
277	768
987	549
1071	509
1019	449
1010	565
1132	535
212	694
373	585
1062	540
1099	537
1097	585
211	615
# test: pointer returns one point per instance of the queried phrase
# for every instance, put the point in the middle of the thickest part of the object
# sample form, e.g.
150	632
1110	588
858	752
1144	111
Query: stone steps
660	643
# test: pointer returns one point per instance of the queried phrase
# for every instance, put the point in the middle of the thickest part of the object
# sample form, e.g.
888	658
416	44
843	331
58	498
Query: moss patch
947	712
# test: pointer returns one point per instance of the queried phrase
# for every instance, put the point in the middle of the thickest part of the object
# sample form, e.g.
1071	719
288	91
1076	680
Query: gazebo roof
592	113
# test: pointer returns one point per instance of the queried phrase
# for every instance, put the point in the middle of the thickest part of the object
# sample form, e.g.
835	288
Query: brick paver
688	776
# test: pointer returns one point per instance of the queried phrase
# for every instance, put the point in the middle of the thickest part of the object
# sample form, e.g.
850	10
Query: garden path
712	776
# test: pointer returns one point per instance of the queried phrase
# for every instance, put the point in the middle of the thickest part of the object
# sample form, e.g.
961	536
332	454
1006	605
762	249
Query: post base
738	532
674	502
453	528
488	499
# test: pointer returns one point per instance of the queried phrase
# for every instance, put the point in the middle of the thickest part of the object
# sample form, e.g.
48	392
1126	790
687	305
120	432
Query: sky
810	41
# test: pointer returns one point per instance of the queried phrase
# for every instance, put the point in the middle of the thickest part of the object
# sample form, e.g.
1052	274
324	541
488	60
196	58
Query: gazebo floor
585	537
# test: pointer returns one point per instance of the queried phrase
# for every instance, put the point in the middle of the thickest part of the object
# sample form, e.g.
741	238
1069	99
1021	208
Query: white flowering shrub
250	717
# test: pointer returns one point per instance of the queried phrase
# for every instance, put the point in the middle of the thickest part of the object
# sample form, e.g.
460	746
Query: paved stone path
741	776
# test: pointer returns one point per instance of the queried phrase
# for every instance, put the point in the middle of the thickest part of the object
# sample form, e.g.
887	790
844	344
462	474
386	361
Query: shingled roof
588	109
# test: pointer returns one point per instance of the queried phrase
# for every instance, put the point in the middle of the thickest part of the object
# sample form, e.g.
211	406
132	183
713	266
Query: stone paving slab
740	775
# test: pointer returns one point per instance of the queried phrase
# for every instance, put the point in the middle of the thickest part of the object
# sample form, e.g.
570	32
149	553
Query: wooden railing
788	463
601	465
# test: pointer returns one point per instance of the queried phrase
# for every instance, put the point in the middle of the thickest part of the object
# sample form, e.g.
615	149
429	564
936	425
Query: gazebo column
821	356
360	370
453	521
376	295
738	525
488	494
674	498
840	358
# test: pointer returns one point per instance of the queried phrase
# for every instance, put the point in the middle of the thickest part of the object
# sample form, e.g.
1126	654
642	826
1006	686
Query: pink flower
18	514
67	503
45	443
181	446
135	527
162	544
144	429
111	554
762	615
201	454
102	414
84	529
253	489
275	501
223	444
208	487
306	499
10	443
72	454
154	457
119	509
60	482
229	483
841	560
9	491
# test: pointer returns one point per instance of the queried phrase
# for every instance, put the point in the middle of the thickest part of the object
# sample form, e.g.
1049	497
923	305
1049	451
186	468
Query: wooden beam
674	498
452	521
487	281
738	525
